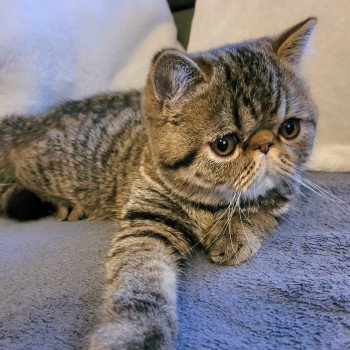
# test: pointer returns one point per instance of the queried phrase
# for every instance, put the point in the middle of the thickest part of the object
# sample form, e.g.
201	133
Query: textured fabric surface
295	294
326	65
51	277
52	51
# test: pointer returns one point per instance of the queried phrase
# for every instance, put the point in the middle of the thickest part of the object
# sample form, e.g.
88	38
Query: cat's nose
262	140
264	148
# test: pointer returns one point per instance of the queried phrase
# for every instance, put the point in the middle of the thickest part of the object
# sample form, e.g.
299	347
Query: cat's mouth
257	186
265	179
260	186
262	182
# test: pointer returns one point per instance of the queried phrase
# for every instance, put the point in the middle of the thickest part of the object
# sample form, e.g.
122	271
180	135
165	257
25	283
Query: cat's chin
259	187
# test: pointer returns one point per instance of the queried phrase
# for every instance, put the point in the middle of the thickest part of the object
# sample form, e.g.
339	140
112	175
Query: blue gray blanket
295	294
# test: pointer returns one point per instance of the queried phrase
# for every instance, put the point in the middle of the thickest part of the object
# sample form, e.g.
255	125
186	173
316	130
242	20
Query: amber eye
290	128
224	146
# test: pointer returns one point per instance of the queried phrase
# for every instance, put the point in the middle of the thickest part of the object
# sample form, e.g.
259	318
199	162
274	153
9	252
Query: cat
202	158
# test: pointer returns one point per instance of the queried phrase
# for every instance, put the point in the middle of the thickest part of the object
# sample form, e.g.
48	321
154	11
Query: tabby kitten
203	157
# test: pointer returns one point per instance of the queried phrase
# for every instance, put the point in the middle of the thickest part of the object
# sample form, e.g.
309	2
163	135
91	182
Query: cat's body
205	164
84	151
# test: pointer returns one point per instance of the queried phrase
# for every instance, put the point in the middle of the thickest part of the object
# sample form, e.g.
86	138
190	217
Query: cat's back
100	106
106	112
96	122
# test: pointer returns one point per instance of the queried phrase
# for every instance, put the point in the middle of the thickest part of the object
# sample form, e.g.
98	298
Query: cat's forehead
249	81
251	76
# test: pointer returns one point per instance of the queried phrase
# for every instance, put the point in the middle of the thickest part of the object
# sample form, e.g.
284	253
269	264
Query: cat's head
235	119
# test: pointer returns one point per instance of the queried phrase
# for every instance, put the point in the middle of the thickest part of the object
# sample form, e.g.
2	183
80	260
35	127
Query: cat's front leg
235	239
139	310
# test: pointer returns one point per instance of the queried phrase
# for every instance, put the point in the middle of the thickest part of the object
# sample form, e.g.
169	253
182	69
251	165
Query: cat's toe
233	252
77	213
221	253
62	213
245	252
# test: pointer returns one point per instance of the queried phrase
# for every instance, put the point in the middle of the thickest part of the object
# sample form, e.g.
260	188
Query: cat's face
236	120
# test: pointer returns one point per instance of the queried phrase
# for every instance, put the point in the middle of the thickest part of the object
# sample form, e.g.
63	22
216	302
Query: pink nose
264	148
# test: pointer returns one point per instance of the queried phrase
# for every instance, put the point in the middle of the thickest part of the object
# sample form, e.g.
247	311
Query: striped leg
139	311
140	303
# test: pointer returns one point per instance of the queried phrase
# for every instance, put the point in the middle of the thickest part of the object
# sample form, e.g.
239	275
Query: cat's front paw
233	249
127	336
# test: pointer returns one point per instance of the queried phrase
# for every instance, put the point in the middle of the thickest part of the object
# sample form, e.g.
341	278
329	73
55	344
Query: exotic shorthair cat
203	157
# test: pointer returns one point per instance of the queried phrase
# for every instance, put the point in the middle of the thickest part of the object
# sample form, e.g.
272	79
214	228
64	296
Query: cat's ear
174	74
289	46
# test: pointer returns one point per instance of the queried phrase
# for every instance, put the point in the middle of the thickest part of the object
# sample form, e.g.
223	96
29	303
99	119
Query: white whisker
311	186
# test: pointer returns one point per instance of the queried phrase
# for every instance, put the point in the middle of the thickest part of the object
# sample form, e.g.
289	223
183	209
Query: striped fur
146	160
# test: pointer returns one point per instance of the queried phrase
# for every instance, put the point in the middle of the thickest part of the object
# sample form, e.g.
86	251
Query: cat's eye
225	145
290	128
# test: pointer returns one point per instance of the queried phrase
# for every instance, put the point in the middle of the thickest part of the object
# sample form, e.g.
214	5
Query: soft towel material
295	294
52	51
326	65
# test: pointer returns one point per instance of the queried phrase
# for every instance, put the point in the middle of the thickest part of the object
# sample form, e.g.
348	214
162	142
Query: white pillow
57	50
326	65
